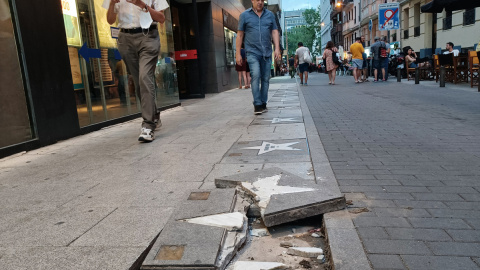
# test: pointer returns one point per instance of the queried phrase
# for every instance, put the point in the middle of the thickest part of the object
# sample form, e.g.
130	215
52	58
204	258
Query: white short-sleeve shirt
129	14
455	52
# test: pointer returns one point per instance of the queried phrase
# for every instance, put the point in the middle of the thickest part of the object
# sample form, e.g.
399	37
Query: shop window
447	20
230	38
15	122
103	88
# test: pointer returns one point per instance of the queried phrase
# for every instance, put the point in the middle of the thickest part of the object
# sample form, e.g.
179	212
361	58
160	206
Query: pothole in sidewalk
294	244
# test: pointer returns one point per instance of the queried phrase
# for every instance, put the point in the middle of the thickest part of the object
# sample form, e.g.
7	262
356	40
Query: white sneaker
146	135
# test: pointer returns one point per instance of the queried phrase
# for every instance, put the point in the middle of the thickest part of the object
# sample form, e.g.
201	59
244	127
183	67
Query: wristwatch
145	8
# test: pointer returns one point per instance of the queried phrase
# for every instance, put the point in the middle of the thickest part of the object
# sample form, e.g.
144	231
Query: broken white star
264	188
278	120
268	147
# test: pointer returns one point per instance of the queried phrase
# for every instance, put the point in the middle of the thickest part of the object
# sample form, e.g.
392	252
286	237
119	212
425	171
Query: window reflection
14	118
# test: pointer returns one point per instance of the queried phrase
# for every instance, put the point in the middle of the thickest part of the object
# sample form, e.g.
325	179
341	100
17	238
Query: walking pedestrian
258	49
242	69
331	66
357	59
291	66
300	54
139	46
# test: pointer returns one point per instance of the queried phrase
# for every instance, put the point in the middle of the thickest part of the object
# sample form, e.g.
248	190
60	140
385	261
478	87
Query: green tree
308	34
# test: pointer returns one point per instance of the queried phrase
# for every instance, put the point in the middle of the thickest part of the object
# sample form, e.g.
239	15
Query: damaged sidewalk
180	202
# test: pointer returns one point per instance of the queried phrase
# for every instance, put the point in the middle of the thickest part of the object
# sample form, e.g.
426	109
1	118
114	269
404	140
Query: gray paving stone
373	233
71	258
126	227
201	246
438	262
383	246
437	197
392	262
381	222
470	197
418	234
475	223
400	212
218	201
438	223
420	204
465	235
454	213
388	196
372	203
455	249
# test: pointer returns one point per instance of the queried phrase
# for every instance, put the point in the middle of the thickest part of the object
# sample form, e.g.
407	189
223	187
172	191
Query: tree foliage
308	34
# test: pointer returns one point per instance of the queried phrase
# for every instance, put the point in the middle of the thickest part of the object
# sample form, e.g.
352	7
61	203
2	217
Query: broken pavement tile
244	265
284	197
306	252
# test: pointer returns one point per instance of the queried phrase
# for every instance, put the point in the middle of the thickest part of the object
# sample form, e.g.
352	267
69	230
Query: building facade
428	33
326	23
65	77
351	22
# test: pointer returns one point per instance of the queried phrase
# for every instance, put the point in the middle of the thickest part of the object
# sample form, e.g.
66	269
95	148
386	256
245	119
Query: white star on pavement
268	186
268	147
278	120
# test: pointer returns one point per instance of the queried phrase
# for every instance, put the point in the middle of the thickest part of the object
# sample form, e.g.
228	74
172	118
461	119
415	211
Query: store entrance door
189	81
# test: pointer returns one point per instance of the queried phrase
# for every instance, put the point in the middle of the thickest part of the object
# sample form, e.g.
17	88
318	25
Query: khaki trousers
140	52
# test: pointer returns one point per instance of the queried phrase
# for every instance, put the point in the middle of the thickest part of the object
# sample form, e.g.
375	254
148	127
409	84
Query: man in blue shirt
256	28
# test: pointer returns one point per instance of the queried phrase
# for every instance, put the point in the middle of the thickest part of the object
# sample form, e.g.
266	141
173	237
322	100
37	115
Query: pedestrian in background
331	66
377	48
242	70
139	46
300	54
386	59
365	62
258	47
357	59
291	66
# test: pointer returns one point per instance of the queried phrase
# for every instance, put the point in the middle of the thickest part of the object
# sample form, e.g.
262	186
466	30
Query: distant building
294	19
326	23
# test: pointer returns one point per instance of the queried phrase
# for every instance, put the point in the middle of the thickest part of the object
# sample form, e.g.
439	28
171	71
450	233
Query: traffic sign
389	16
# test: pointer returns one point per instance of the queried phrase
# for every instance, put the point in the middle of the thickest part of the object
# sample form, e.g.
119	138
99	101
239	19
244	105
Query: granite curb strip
346	249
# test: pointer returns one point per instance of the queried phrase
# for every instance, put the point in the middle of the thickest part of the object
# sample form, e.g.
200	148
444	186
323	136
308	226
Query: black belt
137	29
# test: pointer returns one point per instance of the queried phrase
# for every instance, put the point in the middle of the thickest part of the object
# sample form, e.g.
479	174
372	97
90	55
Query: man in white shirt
139	46
300	62
451	50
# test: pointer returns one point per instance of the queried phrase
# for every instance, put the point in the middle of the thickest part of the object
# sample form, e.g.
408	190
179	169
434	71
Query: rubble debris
306	252
316	235
305	264
321	258
254	211
243	265
286	244
259	232
358	210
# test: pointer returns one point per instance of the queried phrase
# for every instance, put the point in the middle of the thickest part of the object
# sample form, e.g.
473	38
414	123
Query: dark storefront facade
62	75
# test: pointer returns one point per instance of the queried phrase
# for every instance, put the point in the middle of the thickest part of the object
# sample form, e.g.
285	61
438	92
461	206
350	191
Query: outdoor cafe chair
473	67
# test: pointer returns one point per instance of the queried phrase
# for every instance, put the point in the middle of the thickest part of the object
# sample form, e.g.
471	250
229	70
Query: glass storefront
103	89
14	116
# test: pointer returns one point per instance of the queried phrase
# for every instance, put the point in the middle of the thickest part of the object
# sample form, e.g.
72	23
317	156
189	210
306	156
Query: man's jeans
260	73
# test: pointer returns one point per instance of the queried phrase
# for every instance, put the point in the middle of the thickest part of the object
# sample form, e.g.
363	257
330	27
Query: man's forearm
276	39
158	16
238	45
111	16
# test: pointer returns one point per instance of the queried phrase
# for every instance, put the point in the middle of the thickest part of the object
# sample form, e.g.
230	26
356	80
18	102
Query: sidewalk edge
346	248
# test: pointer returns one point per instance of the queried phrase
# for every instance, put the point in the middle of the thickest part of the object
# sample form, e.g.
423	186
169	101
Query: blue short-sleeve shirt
258	31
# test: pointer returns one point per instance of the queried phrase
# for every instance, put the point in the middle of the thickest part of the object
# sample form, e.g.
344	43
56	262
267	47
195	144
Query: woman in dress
331	68
242	71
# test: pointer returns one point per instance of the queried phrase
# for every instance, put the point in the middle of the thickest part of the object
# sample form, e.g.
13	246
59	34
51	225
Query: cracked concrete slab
283	196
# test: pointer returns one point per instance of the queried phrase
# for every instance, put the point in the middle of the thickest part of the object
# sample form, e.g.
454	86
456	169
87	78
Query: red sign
186	55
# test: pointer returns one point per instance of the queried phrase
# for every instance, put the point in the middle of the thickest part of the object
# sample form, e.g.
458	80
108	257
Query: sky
288	5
